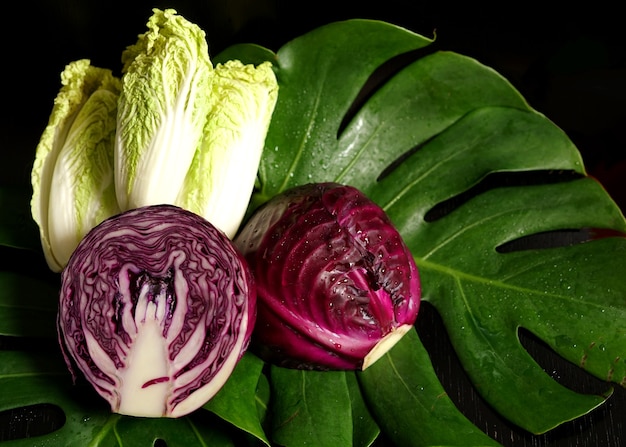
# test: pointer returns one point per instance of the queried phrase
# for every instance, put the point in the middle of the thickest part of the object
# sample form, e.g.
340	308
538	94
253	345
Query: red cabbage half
336	284
156	308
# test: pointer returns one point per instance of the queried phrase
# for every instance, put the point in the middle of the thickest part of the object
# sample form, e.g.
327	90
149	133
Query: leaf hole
455	381
495	180
467	399
159	443
559	369
380	77
30	421
398	161
556	239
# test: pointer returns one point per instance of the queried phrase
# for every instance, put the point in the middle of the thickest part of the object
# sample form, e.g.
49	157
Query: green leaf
38	377
320	74
247	52
263	394
304	401
485	296
463	166
365	430
237	401
191	430
305	144
410	404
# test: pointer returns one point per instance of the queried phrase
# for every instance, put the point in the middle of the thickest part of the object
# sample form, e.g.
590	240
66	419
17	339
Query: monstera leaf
474	179
492	198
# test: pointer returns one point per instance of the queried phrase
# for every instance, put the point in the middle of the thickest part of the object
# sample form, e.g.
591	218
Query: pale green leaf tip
162	109
67	147
200	127
222	176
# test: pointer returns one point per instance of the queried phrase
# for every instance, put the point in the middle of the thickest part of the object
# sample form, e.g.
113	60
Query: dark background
569	63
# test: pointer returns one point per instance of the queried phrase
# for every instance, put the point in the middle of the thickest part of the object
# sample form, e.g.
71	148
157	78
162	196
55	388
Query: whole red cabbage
336	284
156	308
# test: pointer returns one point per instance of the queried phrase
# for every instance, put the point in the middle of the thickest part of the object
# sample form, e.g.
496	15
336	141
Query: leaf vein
30	374
302	145
457	275
357	155
426	173
462	231
106	428
402	381
195	431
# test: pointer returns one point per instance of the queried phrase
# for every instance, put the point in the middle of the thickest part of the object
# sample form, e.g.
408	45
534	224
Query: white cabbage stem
146	382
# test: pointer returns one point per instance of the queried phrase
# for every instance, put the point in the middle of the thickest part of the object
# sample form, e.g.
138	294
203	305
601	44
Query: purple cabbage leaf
156	308
337	286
